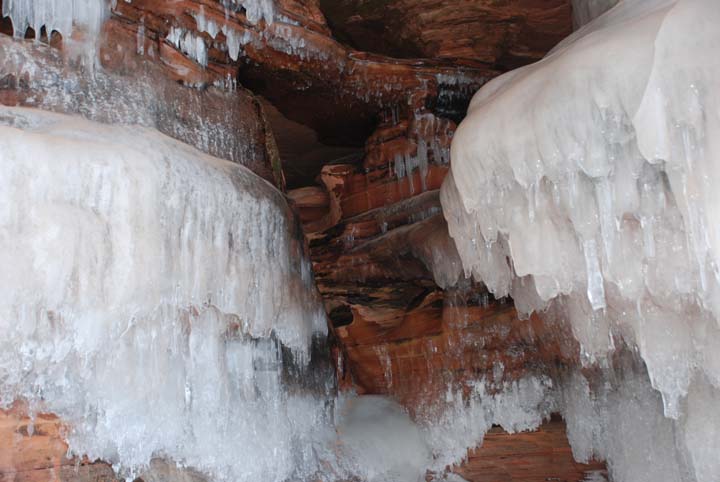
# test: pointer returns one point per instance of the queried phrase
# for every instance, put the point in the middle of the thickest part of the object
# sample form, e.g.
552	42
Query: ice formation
584	11
464	419
57	15
148	99
255	10
584	187
233	39
140	302
190	44
425	129
380	442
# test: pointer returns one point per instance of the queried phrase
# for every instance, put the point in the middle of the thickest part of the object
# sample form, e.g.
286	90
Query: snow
140	302
584	186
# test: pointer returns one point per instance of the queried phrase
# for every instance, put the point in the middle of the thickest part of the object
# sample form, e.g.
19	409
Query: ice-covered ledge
146	284
585	186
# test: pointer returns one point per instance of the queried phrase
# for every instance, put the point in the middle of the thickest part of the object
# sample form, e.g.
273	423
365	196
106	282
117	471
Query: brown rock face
502	34
34	450
310	78
387	269
405	321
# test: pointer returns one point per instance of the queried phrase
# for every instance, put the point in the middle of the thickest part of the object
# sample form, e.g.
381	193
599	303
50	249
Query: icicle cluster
465	418
431	135
190	44
233	40
255	10
158	300
586	185
57	15
280	36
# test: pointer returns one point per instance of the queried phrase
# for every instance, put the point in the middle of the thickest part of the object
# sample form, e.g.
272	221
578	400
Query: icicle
57	15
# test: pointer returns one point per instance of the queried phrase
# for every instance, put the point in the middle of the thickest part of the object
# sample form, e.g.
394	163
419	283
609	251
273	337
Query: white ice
158	300
255	10
379	441
56	15
591	176
190	44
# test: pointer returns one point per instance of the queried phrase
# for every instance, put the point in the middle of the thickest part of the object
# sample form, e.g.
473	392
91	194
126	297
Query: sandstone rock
34	450
527	457
503	34
135	90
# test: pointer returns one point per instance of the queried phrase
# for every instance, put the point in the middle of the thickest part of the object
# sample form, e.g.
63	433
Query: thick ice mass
585	186
57	15
158	300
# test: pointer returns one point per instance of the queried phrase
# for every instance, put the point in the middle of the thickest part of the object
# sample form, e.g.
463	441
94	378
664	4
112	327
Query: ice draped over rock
585	186
56	15
157	299
63	15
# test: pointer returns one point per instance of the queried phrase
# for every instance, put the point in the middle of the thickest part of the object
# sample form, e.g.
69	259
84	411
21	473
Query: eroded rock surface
502	34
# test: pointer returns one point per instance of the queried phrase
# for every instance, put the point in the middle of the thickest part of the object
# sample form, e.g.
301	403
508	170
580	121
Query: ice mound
379	442
584	186
159	301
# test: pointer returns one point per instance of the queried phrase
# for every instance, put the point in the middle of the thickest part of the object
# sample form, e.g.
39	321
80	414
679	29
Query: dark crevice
341	316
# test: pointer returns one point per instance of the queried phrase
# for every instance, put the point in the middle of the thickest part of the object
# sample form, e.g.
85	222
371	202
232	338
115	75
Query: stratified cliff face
349	108
293	61
501	34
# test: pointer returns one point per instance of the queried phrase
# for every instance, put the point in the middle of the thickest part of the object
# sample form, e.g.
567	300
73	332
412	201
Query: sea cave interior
359	240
